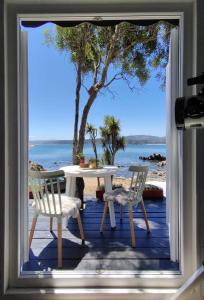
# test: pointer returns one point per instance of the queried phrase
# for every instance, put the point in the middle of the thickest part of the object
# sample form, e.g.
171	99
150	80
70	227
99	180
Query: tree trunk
93	94
79	193
113	159
76	119
84	120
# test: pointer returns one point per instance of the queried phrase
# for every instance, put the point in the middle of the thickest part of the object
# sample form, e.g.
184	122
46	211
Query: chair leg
145	215
51	223
34	221
121	214
59	245
80	227
104	216
132	227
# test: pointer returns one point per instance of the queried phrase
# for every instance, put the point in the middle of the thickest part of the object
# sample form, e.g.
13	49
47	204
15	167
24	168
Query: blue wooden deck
110	251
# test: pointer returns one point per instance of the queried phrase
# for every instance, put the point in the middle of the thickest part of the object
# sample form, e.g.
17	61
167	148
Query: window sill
94	293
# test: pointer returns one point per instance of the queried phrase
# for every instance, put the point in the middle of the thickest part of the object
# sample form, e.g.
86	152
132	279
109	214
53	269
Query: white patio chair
131	197
52	205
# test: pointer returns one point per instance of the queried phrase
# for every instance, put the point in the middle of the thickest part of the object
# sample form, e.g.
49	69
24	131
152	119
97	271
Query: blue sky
52	92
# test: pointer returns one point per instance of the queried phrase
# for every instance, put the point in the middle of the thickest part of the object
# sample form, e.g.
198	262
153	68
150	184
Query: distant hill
145	139
130	139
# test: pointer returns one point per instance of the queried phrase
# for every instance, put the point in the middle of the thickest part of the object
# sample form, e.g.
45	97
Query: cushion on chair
70	206
121	196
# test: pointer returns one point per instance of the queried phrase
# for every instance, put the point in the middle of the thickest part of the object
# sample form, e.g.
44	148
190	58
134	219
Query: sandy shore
153	178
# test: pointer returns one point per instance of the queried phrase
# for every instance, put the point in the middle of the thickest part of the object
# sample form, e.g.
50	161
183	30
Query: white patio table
71	172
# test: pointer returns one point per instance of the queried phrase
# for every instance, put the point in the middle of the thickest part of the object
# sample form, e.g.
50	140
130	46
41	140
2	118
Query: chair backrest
137	184
43	185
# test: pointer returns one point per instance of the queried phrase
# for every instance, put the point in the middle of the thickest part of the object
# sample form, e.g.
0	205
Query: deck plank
102	265
101	253
110	251
107	243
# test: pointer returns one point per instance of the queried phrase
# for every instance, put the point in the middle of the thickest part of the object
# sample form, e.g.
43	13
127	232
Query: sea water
55	156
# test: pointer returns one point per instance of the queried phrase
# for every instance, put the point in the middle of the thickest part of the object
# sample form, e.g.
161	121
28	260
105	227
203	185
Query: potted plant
100	191
93	163
81	159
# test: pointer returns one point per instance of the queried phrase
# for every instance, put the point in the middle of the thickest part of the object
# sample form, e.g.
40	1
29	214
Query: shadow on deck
110	251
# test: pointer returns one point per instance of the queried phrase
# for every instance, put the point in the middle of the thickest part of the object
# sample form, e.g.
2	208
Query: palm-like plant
92	132
111	139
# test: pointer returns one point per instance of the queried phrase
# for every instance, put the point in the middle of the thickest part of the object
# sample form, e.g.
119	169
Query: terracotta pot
99	194
92	165
30	195
153	194
84	165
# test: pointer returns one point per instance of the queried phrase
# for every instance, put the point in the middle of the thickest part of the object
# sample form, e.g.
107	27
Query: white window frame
62	281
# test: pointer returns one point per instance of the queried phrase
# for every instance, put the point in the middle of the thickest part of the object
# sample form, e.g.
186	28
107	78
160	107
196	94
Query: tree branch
132	88
95	74
114	78
153	38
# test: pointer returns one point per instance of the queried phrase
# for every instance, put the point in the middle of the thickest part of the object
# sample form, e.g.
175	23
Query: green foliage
93	160
111	139
92	131
106	157
80	155
133	50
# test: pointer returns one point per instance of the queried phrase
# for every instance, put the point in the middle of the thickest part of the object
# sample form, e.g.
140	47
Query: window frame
12	276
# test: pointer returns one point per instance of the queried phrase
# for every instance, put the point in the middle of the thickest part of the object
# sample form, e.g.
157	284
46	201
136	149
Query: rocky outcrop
161	163
153	157
35	167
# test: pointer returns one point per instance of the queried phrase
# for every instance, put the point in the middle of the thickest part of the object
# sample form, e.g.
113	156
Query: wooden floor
110	251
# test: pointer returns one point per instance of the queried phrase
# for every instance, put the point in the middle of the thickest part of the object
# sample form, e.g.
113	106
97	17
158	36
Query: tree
92	131
111	139
131	50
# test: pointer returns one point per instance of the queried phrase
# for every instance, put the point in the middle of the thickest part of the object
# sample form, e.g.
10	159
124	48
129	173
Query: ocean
55	156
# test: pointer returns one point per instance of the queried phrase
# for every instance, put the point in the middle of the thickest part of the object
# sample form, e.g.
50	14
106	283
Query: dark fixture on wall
189	111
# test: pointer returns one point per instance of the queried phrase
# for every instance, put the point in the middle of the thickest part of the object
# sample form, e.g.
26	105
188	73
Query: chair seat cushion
70	206
121	196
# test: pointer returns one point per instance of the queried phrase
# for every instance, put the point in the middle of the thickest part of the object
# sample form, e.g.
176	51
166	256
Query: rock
161	163
153	157
35	167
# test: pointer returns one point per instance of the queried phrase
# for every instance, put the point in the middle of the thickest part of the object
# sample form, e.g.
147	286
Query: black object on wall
98	22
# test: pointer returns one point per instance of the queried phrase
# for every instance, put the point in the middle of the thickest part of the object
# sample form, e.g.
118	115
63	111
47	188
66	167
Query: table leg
108	188
70	186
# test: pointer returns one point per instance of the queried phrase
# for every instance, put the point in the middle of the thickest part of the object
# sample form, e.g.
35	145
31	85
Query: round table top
76	171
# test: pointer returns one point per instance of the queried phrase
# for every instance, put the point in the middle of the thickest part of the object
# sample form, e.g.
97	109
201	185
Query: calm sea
54	156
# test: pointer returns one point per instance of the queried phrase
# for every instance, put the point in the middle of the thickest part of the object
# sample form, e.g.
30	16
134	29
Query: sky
51	89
